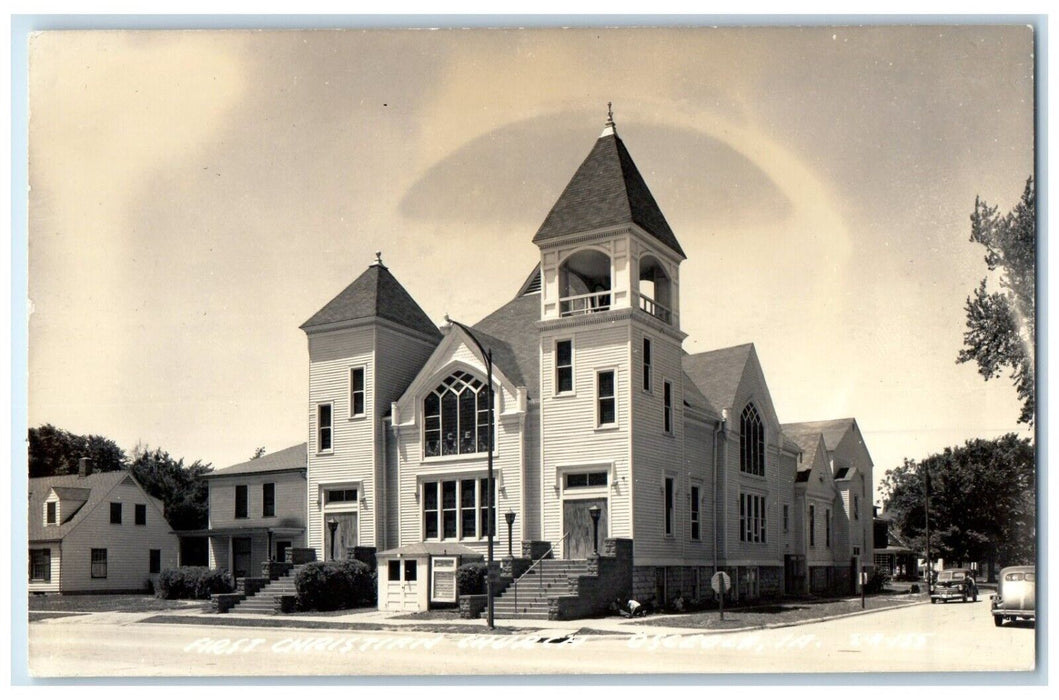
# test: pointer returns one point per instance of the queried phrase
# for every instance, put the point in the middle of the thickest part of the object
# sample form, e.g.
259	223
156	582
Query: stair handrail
542	558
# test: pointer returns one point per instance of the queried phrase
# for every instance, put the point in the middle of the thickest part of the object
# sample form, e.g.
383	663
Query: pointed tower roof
375	294
606	190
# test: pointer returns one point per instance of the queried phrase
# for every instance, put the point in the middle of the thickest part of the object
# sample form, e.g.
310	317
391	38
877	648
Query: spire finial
610	115
378	258
608	128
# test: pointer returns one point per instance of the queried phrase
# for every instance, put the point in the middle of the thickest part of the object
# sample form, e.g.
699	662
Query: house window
40	565
586	480
356	391
50	515
455	509
456	417
667	407
242	501
323	427
812	526
155	564
115	514
99	563
268	500
751	442
670	495
786	518
827	527
856	551
564	366
752	524
141	513
646	364
696	516
606	405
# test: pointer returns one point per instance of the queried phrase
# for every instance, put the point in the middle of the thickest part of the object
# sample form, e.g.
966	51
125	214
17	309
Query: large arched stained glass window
751	442
456	417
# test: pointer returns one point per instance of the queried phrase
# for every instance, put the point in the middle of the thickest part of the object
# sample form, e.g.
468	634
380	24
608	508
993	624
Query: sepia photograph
471	352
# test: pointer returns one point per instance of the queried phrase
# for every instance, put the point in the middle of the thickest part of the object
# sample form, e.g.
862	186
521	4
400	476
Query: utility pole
926	508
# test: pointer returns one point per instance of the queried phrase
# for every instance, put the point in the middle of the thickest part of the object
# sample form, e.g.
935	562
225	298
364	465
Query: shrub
877	580
470	579
193	582
335	585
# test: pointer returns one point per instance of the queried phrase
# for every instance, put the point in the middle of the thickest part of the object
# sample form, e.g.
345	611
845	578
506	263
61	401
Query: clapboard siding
530	512
851	451
571	436
657	454
351	460
128	545
290	500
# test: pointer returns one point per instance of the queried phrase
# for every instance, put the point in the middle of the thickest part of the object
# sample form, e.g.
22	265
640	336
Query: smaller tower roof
607	190
376	293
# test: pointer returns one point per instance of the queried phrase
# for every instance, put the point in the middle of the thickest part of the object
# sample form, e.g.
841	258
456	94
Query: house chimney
84	467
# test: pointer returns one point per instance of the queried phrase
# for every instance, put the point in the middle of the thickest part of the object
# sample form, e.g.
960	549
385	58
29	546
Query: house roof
434	549
605	191
832	430
289	459
808	443
375	294
717	373
91	490
511	333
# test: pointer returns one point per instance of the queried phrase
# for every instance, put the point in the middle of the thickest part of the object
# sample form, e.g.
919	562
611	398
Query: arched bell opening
584	283
656	289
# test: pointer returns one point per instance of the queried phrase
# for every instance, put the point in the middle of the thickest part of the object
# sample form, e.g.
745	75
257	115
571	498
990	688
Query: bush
335	585
877	580
196	582
470	579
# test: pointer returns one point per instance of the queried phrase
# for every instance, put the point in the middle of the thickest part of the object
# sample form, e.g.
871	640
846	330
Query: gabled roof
808	443
605	191
289	459
375	294
98	485
512	334
832	430
717	373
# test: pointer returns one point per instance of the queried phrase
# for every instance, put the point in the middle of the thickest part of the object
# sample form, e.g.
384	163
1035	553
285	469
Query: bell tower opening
656	289
584	283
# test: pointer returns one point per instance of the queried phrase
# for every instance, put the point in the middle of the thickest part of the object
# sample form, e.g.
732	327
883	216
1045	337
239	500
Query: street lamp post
332	525
594	511
510	518
488	355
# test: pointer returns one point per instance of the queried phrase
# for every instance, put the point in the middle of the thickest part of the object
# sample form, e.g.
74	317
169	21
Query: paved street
952	637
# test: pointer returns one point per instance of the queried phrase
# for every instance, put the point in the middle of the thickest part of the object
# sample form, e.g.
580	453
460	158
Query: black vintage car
954	584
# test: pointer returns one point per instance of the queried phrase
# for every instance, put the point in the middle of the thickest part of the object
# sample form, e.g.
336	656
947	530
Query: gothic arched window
456	416
751	442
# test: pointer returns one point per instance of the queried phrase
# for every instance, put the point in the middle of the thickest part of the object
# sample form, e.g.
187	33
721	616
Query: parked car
954	584
1016	595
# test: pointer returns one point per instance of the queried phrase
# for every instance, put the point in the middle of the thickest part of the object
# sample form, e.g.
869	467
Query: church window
751	442
564	366
606	403
456	417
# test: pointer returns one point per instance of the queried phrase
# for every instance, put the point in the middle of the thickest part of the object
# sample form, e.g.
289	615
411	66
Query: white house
96	532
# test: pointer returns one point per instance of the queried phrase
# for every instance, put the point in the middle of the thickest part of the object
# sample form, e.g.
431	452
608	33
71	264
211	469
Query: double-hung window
115	514
268	500
99	563
696	515
670	504
812	525
646	364
564	366
356	391
242	501
154	561
141	513
667	407
827	527
455	509
752	523
40	565
606	402
324	427
51	513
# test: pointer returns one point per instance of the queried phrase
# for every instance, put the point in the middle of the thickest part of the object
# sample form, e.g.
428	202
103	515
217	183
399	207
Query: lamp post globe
594	512
510	518
332	526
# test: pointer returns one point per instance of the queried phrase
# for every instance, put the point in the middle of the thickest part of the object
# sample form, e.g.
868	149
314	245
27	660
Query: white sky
198	195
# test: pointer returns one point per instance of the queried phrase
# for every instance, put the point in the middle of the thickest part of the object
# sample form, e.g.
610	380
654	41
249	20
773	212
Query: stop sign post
721	583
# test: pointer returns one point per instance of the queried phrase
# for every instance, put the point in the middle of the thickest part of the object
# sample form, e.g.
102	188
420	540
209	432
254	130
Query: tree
1001	325
54	452
982	501
182	489
258	453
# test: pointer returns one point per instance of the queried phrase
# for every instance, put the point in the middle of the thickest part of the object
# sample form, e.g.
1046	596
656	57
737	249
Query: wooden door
578	523
241	554
345	534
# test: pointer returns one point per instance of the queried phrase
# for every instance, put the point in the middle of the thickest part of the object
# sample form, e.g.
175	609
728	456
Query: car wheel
964	598
974	598
998	620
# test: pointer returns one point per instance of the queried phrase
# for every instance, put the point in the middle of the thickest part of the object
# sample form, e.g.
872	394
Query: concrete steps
530	597
263	602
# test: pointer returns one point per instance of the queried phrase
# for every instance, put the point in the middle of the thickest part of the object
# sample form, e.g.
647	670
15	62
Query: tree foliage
54	452
181	488
982	501
1001	325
